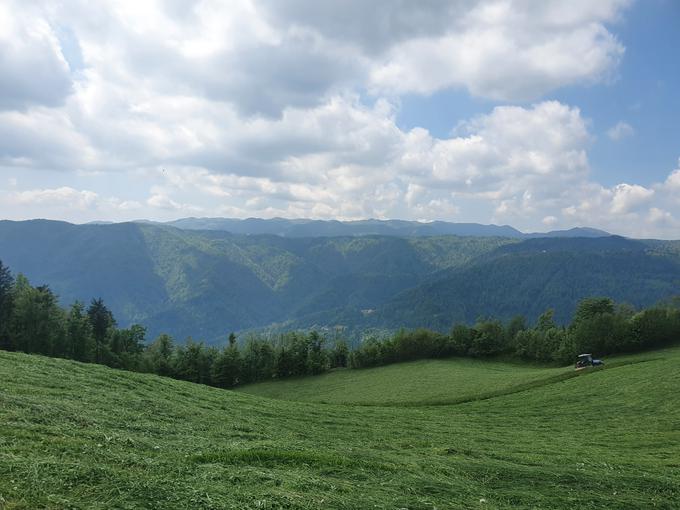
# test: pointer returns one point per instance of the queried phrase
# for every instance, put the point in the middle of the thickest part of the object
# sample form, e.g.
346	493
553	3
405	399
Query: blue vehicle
586	361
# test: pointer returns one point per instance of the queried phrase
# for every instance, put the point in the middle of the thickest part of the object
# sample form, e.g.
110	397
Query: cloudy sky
539	114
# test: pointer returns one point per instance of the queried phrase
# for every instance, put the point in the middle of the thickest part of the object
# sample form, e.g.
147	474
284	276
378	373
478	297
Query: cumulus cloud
64	202
620	131
626	197
33	70
673	181
263	56
290	108
507	51
61	196
356	163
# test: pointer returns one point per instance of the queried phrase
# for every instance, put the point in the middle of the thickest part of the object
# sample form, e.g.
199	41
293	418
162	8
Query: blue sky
538	114
643	93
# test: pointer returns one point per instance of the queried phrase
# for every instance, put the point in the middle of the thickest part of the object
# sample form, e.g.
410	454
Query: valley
205	283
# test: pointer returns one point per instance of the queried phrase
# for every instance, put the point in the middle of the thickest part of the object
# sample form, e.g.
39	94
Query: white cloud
658	216
620	131
33	70
627	197
65	203
260	107
550	221
262	56
507	51
161	200
673	181
350	161
58	196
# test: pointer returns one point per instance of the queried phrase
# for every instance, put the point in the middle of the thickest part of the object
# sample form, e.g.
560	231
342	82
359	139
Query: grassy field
85	436
417	383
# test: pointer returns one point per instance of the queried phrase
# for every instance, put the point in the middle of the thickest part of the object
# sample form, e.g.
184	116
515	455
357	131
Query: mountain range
206	283
334	228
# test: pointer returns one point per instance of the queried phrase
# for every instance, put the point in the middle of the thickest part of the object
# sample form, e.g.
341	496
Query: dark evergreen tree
259	360
79	339
160	355
6	286
317	358
226	370
194	361
461	339
101	320
285	362
339	355
37	322
488	338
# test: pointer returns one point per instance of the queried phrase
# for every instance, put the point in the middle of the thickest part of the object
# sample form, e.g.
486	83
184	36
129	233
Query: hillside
205	284
85	436
421	382
529	277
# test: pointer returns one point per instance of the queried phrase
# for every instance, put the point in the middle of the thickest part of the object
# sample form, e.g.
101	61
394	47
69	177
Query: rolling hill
85	436
415	383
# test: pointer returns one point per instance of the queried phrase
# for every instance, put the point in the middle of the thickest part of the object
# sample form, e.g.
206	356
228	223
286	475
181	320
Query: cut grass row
422	383
416	383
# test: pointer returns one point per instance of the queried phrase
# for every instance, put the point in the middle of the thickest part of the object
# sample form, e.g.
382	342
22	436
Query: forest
204	284
32	321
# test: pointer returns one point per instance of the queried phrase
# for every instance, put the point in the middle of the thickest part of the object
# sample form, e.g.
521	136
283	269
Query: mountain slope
85	436
529	277
207	283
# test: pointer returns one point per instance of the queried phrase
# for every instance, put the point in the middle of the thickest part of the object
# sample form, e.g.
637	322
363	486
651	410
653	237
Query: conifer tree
6	286
80	342
101	320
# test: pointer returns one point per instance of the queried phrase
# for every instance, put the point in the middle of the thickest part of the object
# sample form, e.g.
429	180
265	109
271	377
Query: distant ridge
572	232
402	228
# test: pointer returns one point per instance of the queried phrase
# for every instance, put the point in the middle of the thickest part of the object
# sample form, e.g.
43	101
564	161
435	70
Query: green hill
420	382
85	436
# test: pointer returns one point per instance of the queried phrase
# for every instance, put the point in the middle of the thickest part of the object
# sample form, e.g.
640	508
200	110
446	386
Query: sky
540	114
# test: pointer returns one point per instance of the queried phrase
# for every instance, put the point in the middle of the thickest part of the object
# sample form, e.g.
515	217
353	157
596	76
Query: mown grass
85	436
423	382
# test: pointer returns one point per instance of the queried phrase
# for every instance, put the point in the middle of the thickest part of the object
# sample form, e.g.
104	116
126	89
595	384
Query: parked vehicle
586	361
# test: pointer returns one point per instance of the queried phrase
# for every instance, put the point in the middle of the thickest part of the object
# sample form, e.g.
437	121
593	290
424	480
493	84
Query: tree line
32	321
599	326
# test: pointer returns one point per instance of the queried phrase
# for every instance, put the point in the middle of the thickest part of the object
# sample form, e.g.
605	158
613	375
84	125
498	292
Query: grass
85	436
423	382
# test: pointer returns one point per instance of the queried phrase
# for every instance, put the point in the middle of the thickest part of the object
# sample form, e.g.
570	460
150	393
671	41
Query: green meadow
437	434
416	383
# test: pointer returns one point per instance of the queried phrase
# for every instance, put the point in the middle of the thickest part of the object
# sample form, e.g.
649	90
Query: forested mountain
207	283
528	277
333	228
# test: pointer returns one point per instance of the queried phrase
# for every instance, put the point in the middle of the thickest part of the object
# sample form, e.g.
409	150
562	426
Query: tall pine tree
101	320
6	285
